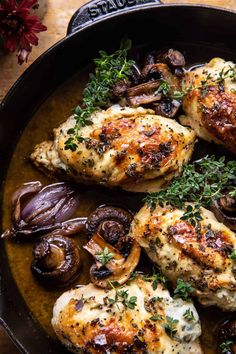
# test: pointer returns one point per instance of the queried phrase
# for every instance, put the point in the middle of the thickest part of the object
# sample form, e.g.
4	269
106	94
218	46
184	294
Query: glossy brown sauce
39	299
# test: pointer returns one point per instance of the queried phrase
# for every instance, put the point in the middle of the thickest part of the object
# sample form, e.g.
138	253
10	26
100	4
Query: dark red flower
18	27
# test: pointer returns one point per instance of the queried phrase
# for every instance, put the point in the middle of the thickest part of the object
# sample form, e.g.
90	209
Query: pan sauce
40	300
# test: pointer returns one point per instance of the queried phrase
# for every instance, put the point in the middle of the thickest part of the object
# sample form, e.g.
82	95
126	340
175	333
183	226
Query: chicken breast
210	105
200	256
127	147
130	319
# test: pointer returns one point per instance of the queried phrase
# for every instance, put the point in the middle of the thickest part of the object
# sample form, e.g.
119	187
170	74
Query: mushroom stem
221	210
119	268
97	245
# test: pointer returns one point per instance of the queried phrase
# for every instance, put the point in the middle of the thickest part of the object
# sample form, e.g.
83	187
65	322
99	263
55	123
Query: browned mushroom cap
56	260
227	337
173	58
116	254
157	71
225	211
112	223
167	107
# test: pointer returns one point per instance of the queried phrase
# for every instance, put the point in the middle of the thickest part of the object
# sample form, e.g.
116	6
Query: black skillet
200	32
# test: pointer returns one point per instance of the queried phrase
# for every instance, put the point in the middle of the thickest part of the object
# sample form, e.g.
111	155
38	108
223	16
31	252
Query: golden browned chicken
200	256
130	319
127	147
210	104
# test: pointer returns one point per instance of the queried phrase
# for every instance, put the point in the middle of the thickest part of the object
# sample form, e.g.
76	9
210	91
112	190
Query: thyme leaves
109	69
200	183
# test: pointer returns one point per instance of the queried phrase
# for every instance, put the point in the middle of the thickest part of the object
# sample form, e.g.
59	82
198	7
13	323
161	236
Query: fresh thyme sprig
109	69
188	315
182	290
233	255
199	184
156	278
122	296
170	326
225	73
226	346
104	257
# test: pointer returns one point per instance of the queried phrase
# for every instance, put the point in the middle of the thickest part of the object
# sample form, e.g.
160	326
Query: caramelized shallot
38	209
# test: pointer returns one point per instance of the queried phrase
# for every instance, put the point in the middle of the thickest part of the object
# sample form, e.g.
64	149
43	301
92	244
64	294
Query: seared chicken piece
126	147
200	256
210	105
130	319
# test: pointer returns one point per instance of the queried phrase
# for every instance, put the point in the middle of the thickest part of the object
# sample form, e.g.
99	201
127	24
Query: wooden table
57	17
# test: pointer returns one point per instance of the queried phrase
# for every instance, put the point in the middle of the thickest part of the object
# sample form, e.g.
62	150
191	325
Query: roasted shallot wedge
38	209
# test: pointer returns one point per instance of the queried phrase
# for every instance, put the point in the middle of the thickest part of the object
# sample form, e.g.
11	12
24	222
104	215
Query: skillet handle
97	9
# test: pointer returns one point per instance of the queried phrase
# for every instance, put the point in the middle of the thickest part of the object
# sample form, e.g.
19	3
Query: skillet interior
201	33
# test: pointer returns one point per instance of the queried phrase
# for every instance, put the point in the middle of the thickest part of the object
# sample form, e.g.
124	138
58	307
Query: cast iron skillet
200	31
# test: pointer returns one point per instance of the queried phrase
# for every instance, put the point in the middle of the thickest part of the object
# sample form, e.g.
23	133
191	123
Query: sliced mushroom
167	107
227	334
225	211
56	260
116	254
144	93
118	268
120	88
110	222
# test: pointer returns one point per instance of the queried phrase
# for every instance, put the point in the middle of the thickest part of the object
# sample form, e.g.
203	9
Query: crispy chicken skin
200	255
86	322
126	147
211	110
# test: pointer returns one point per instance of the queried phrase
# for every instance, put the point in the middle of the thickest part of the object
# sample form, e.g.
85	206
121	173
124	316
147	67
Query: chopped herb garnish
188	315
233	255
109	69
156	317
122	296
163	88
170	326
156	278
226	346
151	199
104	257
192	214
200	183
209	81
183	290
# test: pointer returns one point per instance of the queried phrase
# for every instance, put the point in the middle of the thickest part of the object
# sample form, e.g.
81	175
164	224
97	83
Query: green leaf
104	257
170	326
233	255
156	317
188	315
125	44
226	347
109	69
183	290
199	184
